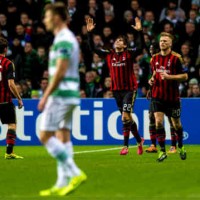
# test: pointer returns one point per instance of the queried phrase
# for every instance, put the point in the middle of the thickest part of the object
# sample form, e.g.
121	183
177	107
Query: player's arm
180	76
90	27
11	84
61	68
138	28
177	77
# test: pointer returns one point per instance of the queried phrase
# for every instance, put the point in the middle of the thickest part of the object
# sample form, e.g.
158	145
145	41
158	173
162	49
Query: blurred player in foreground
59	100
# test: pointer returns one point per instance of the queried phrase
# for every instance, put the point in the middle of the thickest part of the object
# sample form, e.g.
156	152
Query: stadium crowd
29	42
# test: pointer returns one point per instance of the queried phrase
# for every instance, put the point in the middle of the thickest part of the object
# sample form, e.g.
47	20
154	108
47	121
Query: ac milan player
124	84
7	108
152	128
167	73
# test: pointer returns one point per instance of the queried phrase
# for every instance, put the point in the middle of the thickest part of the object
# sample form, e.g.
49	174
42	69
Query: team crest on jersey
114	59
157	63
123	58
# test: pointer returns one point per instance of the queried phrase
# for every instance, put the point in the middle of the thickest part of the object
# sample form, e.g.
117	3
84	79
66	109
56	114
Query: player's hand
20	103
148	95
138	24
164	76
90	24
42	104
151	81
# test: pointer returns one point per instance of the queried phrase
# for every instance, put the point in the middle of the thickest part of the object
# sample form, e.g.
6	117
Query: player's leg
9	117
173	137
152	131
118	95
128	103
51	117
175	113
159	109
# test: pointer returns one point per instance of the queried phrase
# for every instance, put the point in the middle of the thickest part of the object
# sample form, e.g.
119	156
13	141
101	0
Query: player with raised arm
124	85
7	108
167	73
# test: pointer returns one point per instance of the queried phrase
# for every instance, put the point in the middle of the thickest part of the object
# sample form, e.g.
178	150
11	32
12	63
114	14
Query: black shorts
7	113
125	100
170	109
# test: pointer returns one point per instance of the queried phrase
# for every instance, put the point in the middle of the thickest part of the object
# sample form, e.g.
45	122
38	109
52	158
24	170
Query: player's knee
12	126
126	116
159	122
44	137
177	126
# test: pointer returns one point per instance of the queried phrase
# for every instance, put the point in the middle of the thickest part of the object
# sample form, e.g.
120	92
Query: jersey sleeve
63	49
152	64
179	66
11	71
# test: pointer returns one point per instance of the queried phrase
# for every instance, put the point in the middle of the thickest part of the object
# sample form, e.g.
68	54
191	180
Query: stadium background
110	176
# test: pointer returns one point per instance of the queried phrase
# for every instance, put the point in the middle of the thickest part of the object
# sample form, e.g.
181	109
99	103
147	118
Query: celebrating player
59	100
167	73
7	108
124	84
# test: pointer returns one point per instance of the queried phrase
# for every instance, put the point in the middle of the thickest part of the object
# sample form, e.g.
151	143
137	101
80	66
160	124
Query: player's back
5	93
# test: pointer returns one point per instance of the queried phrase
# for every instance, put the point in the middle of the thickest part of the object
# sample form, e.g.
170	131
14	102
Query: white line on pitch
99	150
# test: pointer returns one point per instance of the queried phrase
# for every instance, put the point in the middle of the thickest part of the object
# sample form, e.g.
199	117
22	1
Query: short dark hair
3	44
124	38
58	8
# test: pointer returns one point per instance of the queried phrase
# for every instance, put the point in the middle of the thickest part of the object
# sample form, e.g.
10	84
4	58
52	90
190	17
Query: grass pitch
110	176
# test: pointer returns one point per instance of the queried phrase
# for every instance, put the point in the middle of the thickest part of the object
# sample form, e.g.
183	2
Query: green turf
110	176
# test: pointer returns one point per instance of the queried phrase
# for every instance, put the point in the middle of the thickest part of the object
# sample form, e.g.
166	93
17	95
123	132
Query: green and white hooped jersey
65	46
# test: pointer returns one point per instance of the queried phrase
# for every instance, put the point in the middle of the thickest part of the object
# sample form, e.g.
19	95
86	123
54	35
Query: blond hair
165	34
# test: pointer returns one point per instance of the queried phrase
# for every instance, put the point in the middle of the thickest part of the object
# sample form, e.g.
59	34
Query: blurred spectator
108	94
149	23
192	82
107	37
98	65
134	7
43	59
26	22
128	21
76	16
108	7
173	5
30	67
40	37
91	88
106	87
26	91
195	91
43	86
4	25
82	94
21	35
192	36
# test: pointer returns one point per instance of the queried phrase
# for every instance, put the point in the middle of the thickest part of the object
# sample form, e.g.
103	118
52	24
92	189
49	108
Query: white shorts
56	115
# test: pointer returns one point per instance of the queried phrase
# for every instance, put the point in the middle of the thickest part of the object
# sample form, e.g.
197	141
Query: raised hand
138	24
90	24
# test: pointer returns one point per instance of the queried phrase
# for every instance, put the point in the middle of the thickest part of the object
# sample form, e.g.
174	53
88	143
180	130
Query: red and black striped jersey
121	70
166	90
6	72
